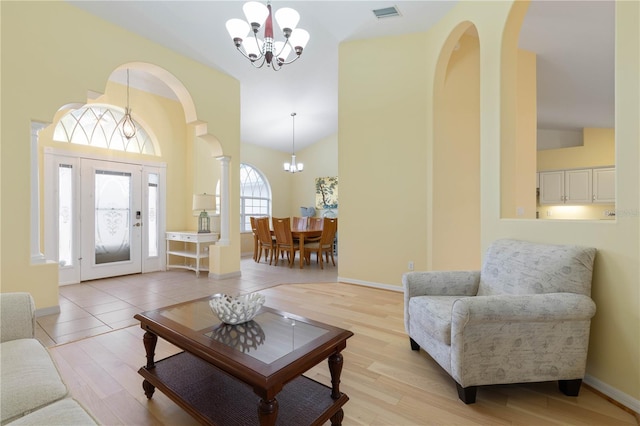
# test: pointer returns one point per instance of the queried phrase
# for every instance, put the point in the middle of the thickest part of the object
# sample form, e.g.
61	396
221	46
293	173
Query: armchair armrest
17	316
440	283
520	338
526	308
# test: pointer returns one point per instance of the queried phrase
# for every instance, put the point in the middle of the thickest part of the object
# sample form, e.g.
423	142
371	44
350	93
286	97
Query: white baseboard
224	276
51	310
613	393
370	284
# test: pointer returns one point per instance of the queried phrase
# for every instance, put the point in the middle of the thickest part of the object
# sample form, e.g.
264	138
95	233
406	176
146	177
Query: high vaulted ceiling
573	40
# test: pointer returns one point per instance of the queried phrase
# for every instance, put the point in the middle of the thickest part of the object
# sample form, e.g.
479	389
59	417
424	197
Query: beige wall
598	150
382	111
386	167
74	66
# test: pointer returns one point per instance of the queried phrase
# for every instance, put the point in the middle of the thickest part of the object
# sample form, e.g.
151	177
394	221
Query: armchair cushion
67	412
30	379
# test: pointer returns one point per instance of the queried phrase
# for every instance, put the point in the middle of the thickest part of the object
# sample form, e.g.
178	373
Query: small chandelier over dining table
293	167
260	51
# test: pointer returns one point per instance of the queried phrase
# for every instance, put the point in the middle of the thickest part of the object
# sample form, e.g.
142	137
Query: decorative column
224	200
36	254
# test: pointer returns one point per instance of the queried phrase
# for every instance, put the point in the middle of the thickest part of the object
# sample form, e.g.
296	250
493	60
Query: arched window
255	195
101	126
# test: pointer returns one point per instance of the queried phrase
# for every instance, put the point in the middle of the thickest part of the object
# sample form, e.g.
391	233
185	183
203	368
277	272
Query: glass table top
268	337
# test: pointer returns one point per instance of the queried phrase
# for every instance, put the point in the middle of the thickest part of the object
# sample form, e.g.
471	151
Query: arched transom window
255	196
101	126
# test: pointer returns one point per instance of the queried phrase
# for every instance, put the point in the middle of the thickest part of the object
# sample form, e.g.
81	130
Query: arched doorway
137	177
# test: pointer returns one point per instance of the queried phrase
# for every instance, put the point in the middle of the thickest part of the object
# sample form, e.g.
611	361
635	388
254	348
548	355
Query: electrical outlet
410	265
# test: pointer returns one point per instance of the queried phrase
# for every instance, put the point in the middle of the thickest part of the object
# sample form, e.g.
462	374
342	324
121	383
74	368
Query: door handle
137	224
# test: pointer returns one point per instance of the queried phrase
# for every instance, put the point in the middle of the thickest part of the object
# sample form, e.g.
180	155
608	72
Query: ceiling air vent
386	12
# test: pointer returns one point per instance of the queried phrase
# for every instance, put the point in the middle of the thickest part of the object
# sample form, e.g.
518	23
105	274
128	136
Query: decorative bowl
236	309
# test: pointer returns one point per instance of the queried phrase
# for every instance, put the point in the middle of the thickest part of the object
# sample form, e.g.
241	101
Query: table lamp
203	202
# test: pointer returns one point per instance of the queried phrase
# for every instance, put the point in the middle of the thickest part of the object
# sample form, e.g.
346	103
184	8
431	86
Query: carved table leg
148	389
335	368
150	340
336	419
268	412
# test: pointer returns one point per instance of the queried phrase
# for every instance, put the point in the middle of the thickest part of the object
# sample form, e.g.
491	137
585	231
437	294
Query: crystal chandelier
293	167
260	51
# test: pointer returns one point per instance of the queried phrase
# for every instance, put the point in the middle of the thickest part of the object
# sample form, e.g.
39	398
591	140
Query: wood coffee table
231	374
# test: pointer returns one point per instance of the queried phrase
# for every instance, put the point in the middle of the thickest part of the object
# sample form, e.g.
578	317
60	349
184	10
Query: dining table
300	235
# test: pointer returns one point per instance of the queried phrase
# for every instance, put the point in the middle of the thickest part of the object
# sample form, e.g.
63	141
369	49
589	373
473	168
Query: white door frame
52	159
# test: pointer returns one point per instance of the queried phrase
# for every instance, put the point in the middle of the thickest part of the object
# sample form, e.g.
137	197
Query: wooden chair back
315	223
282	231
329	229
264	233
300	223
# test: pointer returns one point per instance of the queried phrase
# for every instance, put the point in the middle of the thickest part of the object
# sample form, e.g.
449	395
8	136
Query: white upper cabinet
577	186
604	185
582	186
552	187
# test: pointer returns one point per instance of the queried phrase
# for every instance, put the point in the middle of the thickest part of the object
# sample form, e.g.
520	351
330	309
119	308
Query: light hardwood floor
387	383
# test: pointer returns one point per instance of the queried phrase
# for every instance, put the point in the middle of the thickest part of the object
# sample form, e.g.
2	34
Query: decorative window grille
101	126
255	196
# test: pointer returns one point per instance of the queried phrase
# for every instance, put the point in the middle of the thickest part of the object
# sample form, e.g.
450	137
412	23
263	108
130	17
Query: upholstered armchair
525	317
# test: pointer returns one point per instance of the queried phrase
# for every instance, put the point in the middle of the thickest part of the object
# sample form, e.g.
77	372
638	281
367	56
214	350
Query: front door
103	218
111	219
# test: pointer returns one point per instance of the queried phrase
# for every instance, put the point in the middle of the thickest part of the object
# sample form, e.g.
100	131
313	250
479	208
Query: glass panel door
111	219
153	214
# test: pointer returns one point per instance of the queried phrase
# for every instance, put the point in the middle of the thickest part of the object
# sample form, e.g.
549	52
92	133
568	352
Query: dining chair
300	223
315	223
265	240
254	231
284	239
325	244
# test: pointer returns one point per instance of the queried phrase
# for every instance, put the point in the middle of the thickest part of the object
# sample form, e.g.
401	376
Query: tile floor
100	306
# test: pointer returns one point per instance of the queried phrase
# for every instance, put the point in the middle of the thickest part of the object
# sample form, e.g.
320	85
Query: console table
190	250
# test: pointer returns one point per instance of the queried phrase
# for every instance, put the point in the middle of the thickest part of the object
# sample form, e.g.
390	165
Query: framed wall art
327	192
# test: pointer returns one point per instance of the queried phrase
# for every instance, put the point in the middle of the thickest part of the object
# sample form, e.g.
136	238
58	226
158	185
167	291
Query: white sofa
525	317
31	389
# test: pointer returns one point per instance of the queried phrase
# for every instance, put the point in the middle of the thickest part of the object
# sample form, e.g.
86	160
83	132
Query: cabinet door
552	187
604	186
577	186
